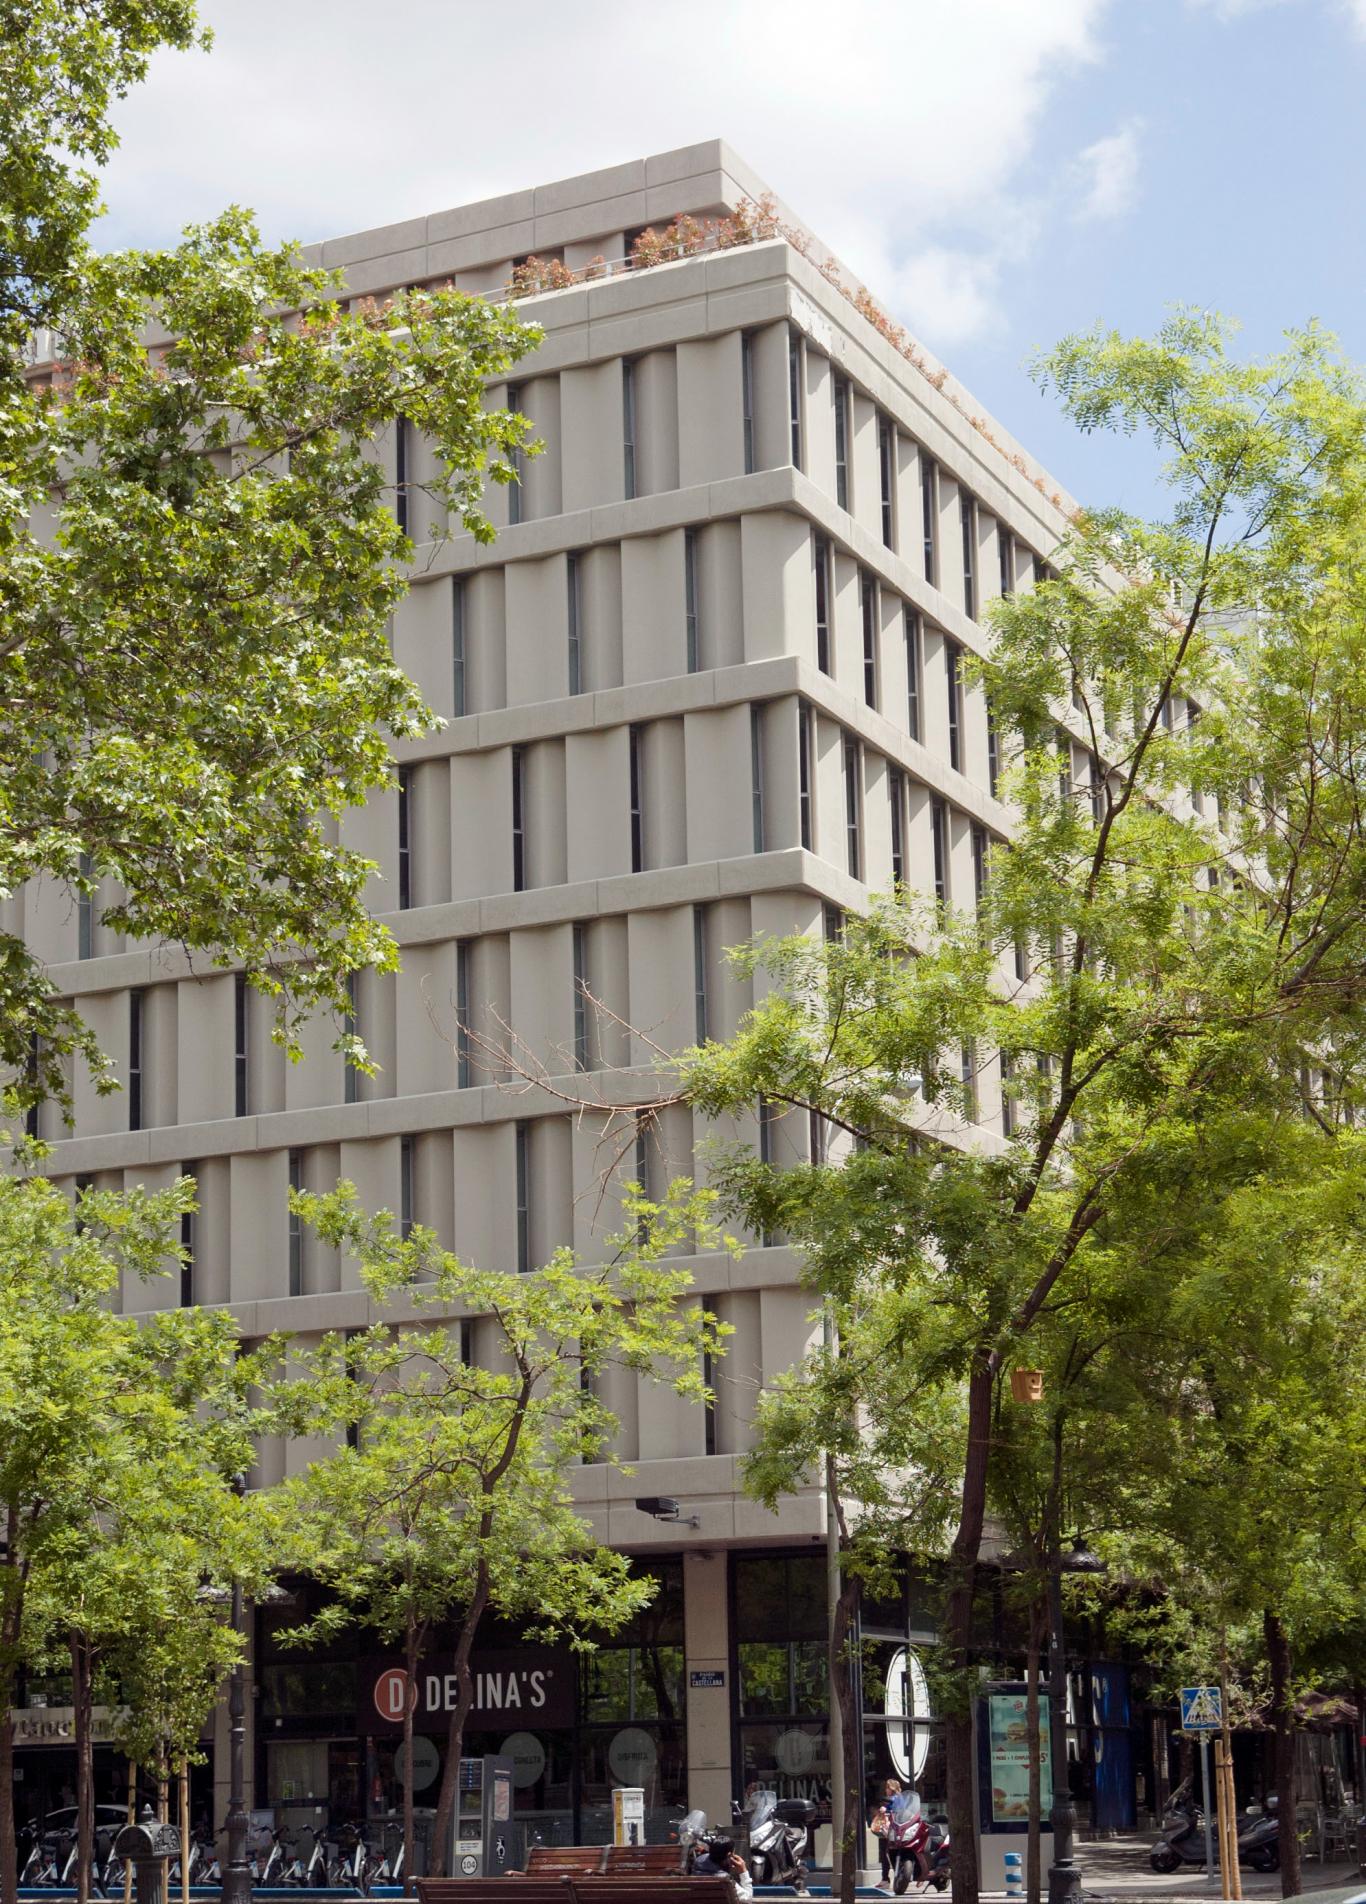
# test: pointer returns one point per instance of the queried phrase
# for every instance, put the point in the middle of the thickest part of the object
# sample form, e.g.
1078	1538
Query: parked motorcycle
1182	1840
777	1838
1259	1839
919	1849
695	1838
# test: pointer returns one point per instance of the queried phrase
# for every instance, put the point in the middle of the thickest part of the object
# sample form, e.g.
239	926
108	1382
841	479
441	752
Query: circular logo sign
631	1756
392	1694
907	1700
527	1755
795	1752
469	1865
426	1764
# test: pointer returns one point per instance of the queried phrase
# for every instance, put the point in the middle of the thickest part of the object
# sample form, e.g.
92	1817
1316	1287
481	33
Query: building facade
707	683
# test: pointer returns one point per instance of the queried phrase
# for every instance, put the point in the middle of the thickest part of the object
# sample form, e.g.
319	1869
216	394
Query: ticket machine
485	1841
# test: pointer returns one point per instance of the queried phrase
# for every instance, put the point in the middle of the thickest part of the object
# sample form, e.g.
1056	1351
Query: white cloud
1107	173
900	136
1234	9
1356	13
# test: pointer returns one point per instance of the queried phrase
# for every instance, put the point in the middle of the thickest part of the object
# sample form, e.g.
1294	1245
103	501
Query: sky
998	172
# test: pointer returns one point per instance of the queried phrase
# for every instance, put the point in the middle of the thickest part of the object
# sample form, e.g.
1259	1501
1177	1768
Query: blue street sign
1202	1709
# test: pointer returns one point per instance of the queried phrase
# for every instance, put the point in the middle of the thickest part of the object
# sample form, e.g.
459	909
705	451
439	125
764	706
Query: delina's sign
533	1686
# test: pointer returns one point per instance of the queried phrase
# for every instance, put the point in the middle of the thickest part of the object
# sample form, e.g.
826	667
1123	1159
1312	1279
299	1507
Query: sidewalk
1119	1868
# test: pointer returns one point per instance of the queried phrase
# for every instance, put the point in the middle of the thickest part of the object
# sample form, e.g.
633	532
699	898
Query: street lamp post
1064	1878
237	1875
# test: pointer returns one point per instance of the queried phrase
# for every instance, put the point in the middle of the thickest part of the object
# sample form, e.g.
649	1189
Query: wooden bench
646	1860
559	1861
671	1888
493	1890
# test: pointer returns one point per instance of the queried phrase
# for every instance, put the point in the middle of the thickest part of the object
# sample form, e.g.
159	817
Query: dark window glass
405	838
85	914
240	1013
637	808
628	424
896	788
756	768
350	1075
852	806
401	473
700	973
514	400
794	392
187	1230
296	1227
939	831
523	1146
136	1019
979	862
747	399
574	610
805	752
993	751
405	1187
842	442
914	672
1005	543
518	819
823	605
458	645
929	506
955	686
868	602
886	450
690	600
582	1059
968	511
462	1014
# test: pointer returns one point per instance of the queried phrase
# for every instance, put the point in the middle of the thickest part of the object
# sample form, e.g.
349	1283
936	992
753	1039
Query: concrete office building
705	684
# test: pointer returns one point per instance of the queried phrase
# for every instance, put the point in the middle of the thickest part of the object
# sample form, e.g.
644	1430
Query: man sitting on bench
721	1860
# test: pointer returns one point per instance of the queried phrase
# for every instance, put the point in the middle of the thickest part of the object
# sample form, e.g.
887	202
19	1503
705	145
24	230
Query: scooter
1259	1840
777	1837
695	1839
1182	1840
920	1848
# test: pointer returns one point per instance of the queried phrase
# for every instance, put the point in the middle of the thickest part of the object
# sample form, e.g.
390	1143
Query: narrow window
405	838
1168	719
1097	791
296	1226
896	787
968	1074
886	452
523	1143
642	1169
405	1187
460	678
353	1425
794	391
747	399
187	1228
1021	961
822	548
979	862
709	1405
929	509
1007	1096
868	600
637	806
1064	746
767	1153
915	670
240	1016
85	914
32	1069
582	987
853	792
628	426
1039	568
136	1018
701	1003
401	473
805	751
462	1014
1005	544
816	1137
955	684
939	833
756	773
968	512
832	924
574	605
519	819
842	442
993	751
514	398
351	1076
690	600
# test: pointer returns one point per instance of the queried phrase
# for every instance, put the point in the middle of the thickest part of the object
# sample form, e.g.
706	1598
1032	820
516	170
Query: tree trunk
1283	1723
455	1736
1033	1860
81	1697
849	1829
412	1656
962	1572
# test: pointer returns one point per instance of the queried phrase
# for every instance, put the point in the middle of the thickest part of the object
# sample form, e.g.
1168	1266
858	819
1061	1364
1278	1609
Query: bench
492	1890
575	1888
646	1860
673	1888
559	1861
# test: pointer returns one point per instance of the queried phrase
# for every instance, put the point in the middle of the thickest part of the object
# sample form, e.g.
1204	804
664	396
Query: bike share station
1002	1778
485	1842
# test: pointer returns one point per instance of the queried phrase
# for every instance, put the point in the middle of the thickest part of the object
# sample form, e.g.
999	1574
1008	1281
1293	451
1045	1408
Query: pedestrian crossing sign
1202	1709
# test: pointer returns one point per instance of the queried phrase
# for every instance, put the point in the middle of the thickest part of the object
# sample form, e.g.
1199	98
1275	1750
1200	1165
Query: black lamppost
237	1874
1064	1879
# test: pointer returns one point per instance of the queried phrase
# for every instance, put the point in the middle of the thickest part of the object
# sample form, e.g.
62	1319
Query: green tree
200	553
452	1500
116	1443
1182	895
